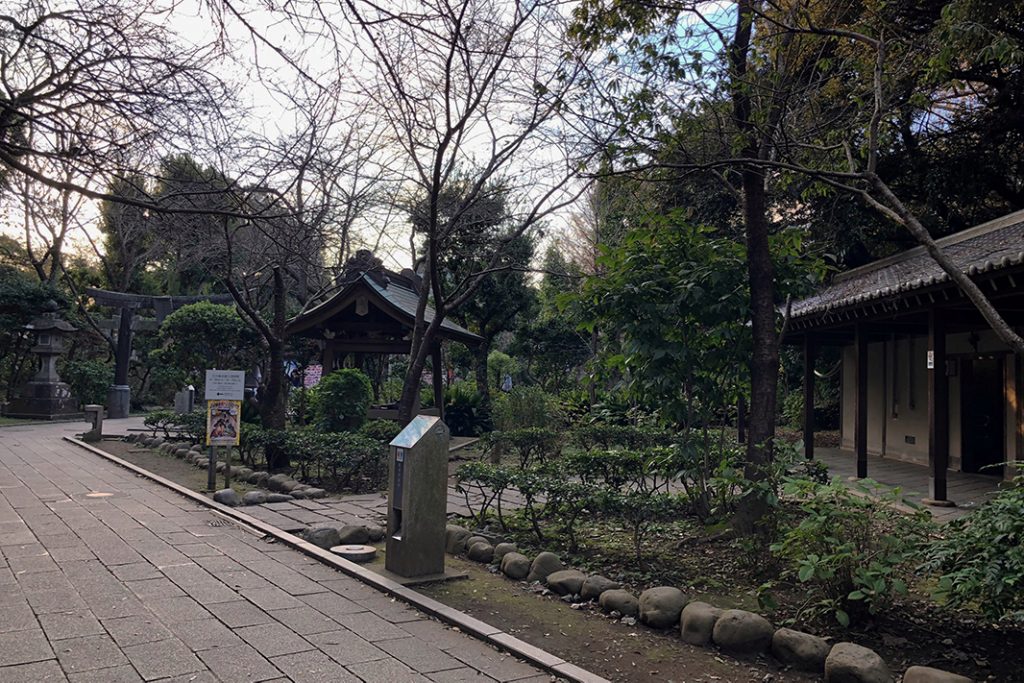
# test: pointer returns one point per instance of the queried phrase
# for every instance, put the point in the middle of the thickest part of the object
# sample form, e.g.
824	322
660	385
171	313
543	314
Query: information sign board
228	385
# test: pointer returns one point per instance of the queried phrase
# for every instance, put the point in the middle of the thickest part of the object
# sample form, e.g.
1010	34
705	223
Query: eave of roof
399	299
983	249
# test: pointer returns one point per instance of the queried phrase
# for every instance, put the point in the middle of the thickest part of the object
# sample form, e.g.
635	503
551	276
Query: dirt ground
167	466
587	638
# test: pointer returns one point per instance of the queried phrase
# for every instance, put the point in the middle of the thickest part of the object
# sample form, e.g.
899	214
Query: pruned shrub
191	426
338	460
528	445
340	401
383	431
609	436
526	406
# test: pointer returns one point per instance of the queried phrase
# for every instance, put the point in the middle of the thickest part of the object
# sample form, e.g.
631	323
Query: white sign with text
227	385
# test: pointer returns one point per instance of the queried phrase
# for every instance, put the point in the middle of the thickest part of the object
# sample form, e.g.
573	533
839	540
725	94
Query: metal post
227	467
211	471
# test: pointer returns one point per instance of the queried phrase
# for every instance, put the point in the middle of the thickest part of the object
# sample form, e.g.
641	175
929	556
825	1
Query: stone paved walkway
968	491
106	576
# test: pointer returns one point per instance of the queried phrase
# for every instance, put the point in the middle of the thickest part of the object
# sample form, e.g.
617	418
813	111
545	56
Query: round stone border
282	488
737	632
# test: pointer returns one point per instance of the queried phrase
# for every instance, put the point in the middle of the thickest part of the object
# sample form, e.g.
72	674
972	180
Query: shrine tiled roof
985	248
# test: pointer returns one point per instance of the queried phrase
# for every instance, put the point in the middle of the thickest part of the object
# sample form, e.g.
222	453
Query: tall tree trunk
273	403
480	354
764	360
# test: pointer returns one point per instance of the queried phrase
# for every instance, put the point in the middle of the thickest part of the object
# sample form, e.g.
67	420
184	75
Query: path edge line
449	615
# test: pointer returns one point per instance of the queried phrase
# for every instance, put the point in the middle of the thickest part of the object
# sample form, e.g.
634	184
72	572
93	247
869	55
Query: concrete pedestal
44	401
417	499
119	401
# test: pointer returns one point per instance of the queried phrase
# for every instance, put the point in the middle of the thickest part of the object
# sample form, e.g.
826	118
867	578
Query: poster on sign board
223	422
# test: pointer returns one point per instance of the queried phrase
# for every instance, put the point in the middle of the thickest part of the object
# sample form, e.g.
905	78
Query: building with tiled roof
924	378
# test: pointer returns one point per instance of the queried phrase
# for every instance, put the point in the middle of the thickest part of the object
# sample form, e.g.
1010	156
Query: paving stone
22	647
71	624
154	588
270	598
369	626
33	563
305	620
170	610
345	647
313	667
135	630
497	665
87	653
419	654
463	674
273	639
242	613
17	616
163	658
117	674
390	609
204	634
194	550
390	670
238	664
435	633
36	672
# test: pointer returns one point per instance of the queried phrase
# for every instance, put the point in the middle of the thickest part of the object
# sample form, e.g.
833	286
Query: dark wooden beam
860	428
1018	385
810	353
938	408
124	347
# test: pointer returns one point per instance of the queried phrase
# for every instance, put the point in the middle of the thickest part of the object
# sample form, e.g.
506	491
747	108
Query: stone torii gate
119	395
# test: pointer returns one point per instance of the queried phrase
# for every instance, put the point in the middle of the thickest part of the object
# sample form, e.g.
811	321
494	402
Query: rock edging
738	632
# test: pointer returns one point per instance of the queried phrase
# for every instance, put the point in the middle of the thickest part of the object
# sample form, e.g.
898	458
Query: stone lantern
45	396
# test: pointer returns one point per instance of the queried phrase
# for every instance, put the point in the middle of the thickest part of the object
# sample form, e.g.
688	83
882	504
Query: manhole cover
355	553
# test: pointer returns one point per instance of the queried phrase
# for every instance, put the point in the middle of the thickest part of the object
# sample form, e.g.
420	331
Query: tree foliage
203	336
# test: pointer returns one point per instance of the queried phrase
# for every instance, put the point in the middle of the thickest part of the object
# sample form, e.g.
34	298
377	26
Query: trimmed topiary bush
341	399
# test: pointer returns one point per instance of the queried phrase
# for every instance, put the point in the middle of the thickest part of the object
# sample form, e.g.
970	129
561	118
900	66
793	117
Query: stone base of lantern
44	401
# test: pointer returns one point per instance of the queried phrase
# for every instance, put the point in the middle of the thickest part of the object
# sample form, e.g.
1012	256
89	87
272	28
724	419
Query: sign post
225	390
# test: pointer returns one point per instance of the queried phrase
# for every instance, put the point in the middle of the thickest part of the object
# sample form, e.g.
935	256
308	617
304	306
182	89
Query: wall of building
898	397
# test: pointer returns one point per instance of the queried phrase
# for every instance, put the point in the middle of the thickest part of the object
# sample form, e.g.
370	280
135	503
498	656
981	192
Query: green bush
465	411
524	407
528	445
254	441
980	558
341	399
851	550
191	426
383	431
500	364
609	436
89	380
337	460
640	511
488	482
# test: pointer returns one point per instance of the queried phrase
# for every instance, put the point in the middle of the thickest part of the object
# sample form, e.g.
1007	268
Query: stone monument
45	396
417	499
